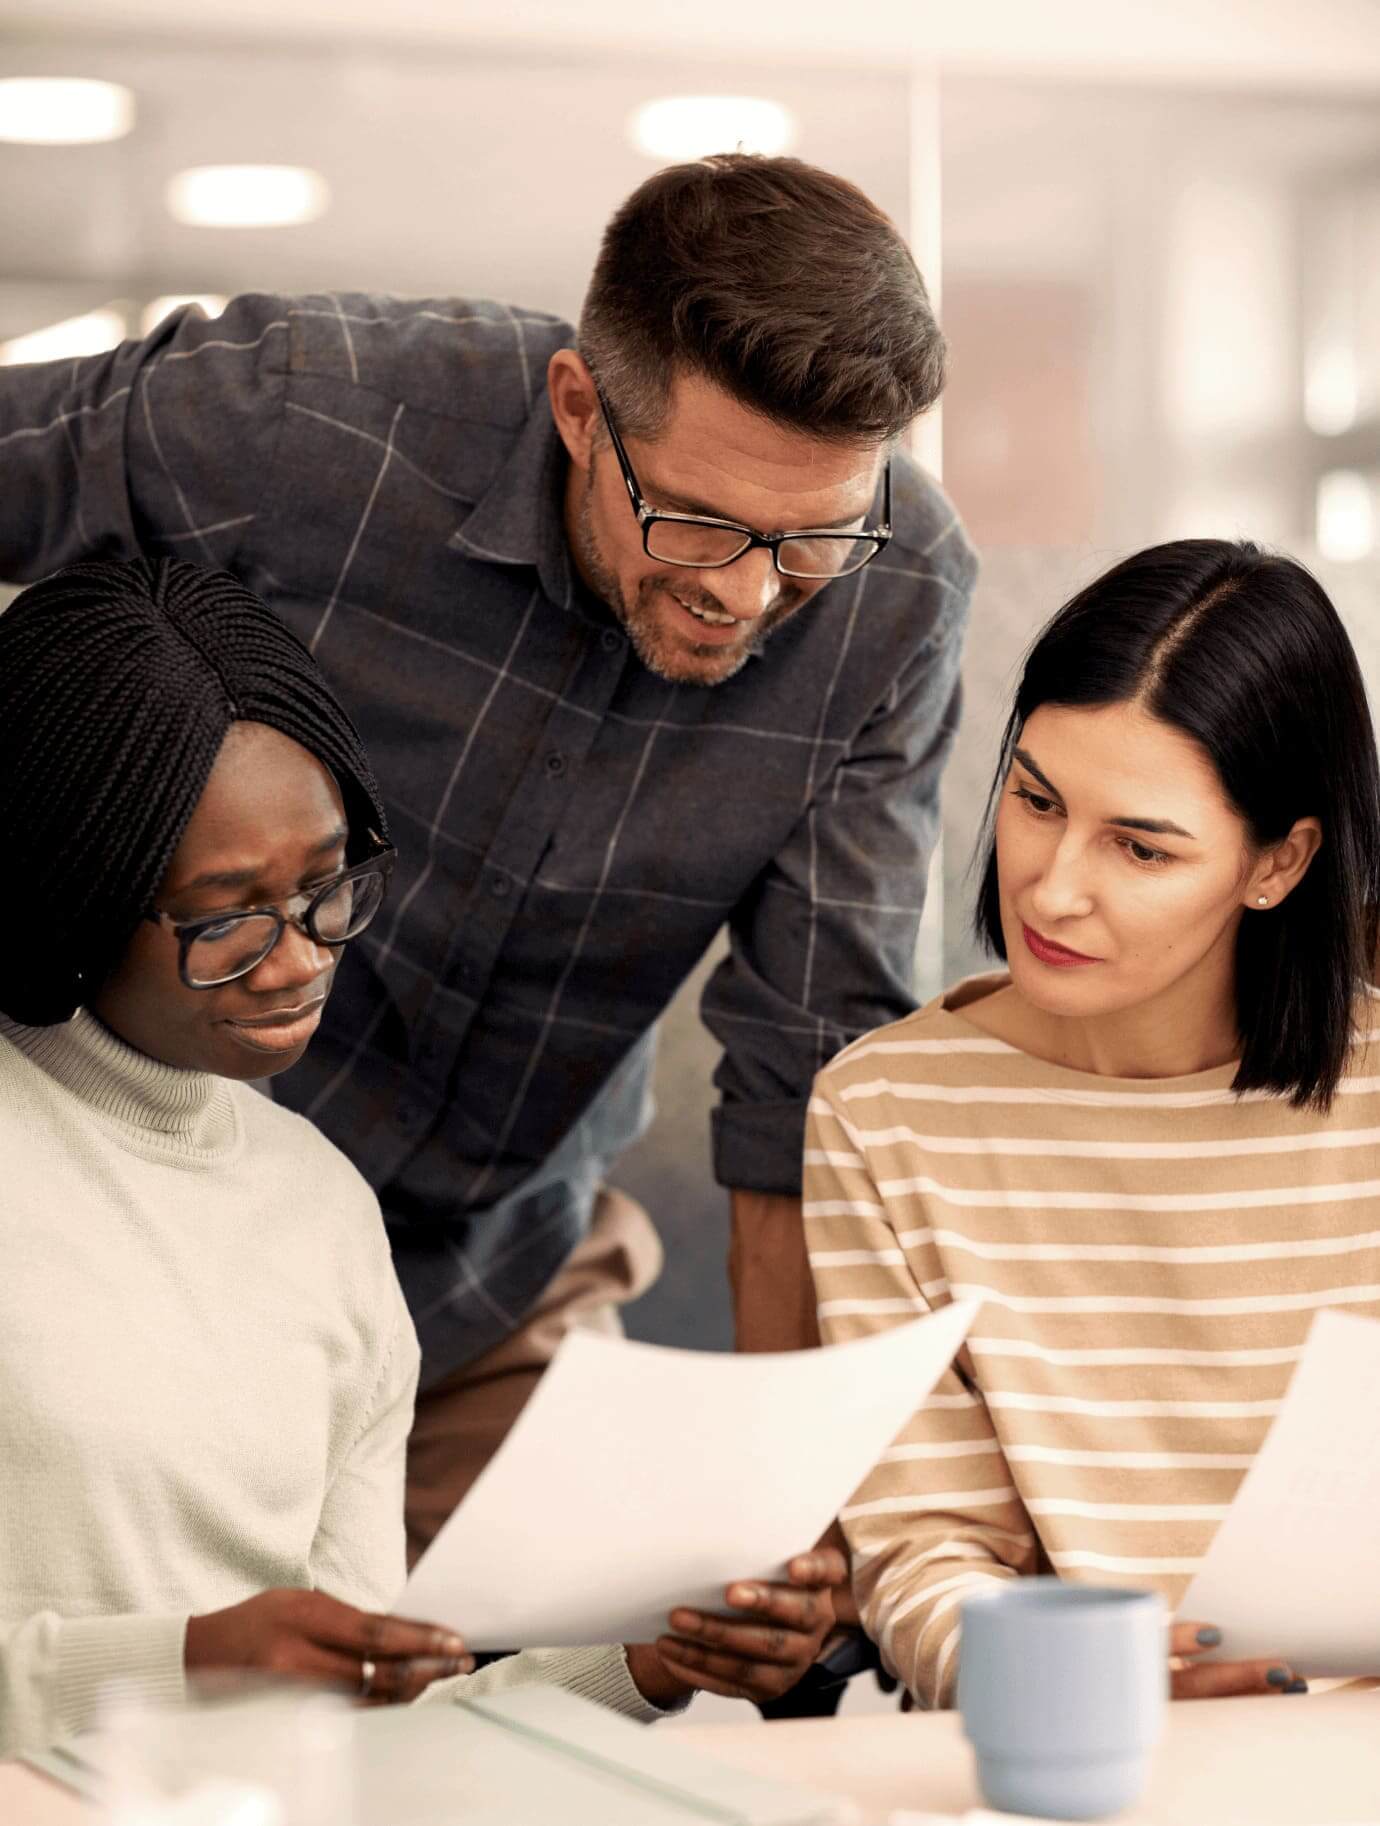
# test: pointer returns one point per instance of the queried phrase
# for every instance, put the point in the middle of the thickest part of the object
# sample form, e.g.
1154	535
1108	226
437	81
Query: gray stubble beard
640	621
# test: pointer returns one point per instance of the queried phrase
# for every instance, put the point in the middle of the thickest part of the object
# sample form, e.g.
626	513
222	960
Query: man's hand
306	1635
758	1654
1190	1677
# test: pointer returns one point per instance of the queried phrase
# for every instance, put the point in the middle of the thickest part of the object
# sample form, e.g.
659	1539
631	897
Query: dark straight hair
1241	651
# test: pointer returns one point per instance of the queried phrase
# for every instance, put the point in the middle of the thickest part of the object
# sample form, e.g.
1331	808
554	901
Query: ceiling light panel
1346	516
90	334
63	110
247	196
693	126
212	303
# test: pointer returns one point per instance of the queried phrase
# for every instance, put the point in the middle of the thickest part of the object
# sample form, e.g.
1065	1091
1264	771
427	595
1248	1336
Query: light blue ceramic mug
1062	1688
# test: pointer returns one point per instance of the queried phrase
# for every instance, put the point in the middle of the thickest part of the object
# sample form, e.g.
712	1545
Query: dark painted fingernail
1279	1677
1208	1637
1297	1686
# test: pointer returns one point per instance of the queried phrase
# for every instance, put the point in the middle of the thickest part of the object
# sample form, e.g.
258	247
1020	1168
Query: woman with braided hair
206	1365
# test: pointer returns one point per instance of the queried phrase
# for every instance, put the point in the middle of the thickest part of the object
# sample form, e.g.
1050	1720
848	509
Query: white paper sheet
638	1478
1294	1569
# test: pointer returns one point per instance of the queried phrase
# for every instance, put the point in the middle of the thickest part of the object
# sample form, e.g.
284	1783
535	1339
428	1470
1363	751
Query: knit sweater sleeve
359	1552
938	1519
53	1671
599	1673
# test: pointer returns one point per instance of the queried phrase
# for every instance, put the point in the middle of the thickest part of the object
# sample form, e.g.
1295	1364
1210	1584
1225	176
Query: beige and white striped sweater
1149	1254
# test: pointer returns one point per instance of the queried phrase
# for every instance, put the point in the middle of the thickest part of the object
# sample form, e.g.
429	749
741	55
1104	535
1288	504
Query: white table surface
1285	1760
1270	1760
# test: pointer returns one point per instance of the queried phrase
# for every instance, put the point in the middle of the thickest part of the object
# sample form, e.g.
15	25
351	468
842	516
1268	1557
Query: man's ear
574	404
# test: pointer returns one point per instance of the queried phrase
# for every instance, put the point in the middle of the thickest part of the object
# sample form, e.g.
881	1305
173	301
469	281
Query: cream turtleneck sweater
206	1378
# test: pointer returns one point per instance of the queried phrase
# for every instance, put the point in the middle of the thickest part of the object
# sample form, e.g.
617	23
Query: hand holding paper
1292	1571
640	1479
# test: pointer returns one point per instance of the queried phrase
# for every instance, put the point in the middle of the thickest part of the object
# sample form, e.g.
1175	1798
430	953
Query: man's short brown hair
778	282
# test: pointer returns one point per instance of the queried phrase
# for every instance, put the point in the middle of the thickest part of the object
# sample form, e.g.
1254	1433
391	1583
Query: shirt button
555	765
499	886
610	641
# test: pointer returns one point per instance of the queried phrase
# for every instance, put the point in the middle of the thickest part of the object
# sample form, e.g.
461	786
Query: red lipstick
1059	956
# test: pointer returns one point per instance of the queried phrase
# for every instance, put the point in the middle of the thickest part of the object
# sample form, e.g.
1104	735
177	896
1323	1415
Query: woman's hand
760	1653
1192	1678
846	1612
309	1636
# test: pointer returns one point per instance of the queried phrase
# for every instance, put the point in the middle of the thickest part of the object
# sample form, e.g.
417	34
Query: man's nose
748	587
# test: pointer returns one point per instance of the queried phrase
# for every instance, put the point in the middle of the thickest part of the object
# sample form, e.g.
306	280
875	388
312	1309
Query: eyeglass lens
235	945
708	547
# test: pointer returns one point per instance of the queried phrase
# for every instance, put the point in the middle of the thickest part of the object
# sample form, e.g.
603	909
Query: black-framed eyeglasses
222	946
700	542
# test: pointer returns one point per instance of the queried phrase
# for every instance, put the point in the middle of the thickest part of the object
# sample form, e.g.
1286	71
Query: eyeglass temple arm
625	467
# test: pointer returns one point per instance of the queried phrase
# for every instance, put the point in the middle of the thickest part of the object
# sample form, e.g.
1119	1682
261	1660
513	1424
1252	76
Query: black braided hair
118	682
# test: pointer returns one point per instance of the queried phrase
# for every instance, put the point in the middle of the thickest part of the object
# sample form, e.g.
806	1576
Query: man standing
647	631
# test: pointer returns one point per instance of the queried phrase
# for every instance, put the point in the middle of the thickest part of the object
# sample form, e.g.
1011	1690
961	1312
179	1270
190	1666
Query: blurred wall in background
1164	308
1159	232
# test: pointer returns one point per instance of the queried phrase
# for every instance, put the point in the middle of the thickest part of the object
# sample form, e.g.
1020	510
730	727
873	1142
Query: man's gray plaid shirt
573	830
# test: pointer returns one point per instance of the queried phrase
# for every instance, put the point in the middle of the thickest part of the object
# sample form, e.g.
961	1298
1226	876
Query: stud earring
1263	900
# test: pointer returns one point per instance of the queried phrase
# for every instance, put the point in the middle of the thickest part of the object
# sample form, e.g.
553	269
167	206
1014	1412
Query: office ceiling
469	148
1329	43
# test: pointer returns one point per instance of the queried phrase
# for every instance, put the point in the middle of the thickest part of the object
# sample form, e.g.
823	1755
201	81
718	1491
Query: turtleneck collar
155	1109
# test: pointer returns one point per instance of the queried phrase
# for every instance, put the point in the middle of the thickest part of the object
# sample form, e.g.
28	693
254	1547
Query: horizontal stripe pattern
1030	1198
1193	1254
1045	1147
1120	1355
1148	1258
1138	1100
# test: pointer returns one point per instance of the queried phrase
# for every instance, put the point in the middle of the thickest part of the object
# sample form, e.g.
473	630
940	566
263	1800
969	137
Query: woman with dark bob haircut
206	1365
1148	1145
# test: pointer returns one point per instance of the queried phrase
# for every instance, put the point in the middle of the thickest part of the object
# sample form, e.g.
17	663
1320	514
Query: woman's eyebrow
1158	827
242	878
1027	761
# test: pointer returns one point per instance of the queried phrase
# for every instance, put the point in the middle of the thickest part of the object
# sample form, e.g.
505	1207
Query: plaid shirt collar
521	518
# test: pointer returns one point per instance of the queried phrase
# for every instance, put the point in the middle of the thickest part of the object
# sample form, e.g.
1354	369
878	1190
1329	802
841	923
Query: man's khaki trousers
463	1419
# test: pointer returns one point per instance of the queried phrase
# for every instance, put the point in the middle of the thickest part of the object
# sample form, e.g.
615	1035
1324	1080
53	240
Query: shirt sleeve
359	1554
938	1519
162	446
823	949
597	1673
54	1669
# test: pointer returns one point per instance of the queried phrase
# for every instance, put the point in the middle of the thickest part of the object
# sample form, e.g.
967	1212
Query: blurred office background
1154	232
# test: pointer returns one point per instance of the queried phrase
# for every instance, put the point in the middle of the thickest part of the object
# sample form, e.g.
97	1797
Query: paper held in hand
638	1478
1292	1571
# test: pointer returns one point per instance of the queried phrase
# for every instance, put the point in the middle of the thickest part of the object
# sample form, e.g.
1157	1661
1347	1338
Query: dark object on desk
820	1693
